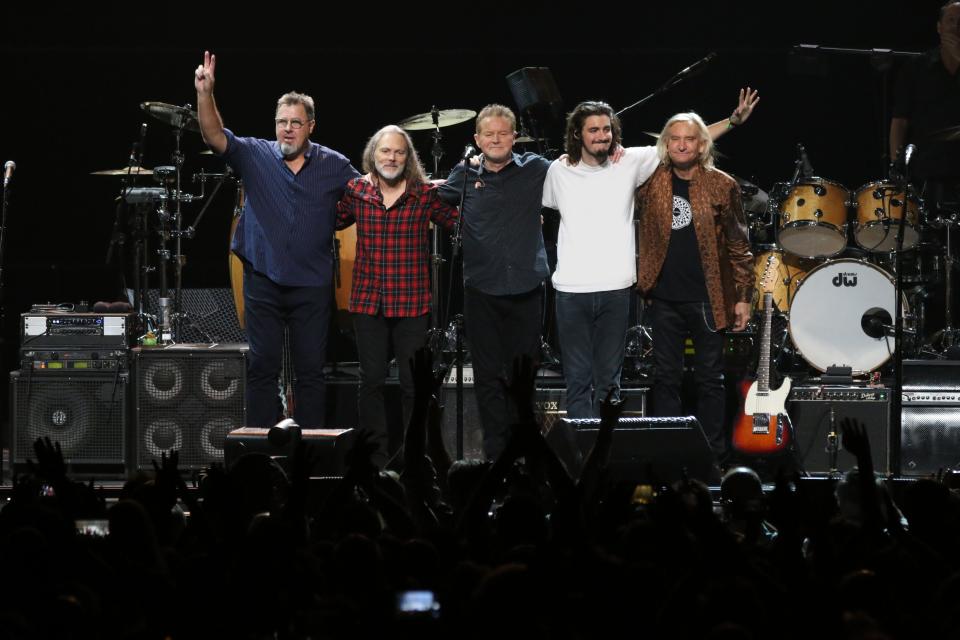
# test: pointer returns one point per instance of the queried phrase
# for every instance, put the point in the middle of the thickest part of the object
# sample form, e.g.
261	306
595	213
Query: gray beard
288	149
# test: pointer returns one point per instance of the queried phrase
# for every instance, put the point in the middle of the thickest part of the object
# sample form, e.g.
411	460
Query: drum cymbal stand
948	336
439	338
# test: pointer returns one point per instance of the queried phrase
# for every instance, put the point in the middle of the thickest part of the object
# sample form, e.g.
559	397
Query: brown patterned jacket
721	232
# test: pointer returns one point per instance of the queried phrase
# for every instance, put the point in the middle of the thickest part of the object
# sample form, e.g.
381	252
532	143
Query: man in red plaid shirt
392	205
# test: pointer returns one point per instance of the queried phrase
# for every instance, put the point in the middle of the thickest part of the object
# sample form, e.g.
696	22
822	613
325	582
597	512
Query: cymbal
133	171
445	118
179	117
525	139
948	133
655	136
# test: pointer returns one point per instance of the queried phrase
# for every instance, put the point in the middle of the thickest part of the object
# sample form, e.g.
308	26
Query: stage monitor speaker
550	407
644	450
209	315
188	397
87	413
534	87
326	448
810	412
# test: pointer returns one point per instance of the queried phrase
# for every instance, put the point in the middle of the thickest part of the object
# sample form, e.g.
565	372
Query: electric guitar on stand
763	426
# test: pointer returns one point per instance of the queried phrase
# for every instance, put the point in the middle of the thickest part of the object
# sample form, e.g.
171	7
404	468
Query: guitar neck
763	367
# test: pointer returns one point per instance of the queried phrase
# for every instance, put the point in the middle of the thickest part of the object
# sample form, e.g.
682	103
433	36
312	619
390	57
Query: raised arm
748	100
211	125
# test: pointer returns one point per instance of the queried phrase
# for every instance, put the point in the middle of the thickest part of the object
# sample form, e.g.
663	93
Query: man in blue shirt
285	241
504	264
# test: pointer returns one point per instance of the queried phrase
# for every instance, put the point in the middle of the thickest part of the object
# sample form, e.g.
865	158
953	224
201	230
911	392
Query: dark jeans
593	330
500	329
305	311
375	335
670	323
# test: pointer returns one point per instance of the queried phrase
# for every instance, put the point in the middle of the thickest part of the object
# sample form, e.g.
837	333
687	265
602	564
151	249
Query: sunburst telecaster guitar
763	426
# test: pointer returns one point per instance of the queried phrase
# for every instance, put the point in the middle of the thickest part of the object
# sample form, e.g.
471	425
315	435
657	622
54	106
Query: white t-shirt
596	244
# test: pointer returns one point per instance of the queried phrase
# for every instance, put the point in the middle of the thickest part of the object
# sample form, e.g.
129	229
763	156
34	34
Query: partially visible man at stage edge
596	246
695	267
504	264
392	205
926	111
284	239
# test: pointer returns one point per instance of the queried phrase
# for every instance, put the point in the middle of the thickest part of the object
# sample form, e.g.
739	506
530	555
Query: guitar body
763	426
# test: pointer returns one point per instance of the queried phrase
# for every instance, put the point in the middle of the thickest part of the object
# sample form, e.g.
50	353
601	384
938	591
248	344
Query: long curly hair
572	144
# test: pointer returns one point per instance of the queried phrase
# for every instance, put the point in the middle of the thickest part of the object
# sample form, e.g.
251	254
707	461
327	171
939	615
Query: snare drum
790	271
813	218
880	208
827	315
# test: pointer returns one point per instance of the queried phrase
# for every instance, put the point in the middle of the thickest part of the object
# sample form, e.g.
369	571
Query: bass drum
828	310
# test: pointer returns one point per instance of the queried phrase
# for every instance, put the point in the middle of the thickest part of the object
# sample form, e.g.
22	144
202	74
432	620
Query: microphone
908	152
875	322
468	152
698	66
143	137
805	161
8	168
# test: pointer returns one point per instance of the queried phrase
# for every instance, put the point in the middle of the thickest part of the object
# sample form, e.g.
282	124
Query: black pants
670	323
500	329
305	311
375	336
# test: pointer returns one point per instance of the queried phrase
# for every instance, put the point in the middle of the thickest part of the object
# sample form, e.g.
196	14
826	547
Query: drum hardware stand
948	336
833	444
456	259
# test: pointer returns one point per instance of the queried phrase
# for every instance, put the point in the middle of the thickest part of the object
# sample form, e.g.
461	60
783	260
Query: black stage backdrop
73	79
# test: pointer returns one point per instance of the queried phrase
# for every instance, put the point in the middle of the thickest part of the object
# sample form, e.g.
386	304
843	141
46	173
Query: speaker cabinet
472	429
814	410
87	413
209	315
644	450
930	417
929	439
188	397
534	87
549	405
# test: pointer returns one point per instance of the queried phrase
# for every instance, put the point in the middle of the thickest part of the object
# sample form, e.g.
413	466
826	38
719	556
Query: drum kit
830	291
156	216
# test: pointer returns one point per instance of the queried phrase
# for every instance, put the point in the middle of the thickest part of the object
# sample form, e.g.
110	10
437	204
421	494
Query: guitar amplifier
816	411
930	417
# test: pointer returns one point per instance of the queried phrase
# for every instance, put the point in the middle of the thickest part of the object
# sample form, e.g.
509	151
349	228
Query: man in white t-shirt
596	246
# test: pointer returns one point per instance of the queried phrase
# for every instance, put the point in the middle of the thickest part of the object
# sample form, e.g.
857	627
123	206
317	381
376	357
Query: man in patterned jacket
695	267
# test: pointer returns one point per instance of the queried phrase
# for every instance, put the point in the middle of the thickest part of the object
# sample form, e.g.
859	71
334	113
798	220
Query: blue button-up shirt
503	251
286	231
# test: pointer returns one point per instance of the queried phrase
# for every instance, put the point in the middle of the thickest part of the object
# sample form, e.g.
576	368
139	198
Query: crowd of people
513	547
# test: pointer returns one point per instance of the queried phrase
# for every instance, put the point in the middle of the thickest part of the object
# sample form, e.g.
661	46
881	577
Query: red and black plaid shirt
391	273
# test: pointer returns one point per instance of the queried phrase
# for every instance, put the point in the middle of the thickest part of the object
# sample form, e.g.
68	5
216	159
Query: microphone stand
456	258
677	78
3	244
896	399
881	60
